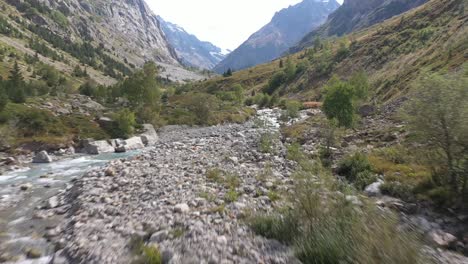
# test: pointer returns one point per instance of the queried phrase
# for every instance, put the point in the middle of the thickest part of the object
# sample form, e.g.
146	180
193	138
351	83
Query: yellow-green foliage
35	125
323	227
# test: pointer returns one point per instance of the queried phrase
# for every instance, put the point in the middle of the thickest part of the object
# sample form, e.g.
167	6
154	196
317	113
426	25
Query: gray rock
26	186
42	157
441	238
374	188
149	136
98	147
133	143
53	202
181	208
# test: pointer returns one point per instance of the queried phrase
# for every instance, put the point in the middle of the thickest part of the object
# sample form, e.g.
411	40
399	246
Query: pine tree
16	85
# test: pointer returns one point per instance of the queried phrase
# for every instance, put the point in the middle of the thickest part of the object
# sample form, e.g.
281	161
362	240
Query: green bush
396	189
294	152
364	178
125	123
338	103
266	143
282	228
353	165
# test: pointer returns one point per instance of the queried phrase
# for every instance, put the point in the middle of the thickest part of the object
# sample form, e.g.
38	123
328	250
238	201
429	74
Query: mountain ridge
276	37
191	51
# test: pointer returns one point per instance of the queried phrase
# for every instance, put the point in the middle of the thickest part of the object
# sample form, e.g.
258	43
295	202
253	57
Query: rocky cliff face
286	28
354	15
191	51
127	27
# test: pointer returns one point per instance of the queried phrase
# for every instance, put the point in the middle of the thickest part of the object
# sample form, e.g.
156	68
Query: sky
225	23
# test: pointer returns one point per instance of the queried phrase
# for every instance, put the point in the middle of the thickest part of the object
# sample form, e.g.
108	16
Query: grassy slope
432	37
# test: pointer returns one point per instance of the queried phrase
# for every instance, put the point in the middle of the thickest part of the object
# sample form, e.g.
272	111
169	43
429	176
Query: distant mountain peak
286	28
192	51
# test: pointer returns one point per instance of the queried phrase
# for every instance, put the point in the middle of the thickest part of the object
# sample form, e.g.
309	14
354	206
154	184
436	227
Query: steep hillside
111	37
432	37
286	28
192	51
354	15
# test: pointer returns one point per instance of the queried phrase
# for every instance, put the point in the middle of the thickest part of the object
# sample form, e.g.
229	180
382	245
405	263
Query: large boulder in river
149	137
133	143
97	147
42	157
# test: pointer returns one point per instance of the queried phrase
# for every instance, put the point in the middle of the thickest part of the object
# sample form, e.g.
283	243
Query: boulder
97	147
374	188
42	157
149	136
53	202
442	239
133	143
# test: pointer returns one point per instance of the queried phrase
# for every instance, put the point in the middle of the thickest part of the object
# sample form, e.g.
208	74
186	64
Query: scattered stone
181	208
26	186
42	157
110	171
442	239
53	202
33	253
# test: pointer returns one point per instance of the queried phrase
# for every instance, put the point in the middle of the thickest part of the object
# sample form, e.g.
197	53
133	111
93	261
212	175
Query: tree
239	93
290	69
338	102
16	85
125	120
281	64
437	115
202	106
317	44
227	73
360	85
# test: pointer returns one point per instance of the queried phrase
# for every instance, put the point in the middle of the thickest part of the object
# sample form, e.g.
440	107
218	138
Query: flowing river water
24	190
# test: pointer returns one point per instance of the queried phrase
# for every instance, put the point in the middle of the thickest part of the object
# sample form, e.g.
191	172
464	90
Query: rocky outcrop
97	147
286	28
42	157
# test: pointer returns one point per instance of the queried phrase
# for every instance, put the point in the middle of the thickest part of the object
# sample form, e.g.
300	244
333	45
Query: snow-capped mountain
191	50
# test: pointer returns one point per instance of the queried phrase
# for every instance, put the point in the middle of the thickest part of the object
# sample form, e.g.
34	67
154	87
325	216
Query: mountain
393	54
354	15
192	51
110	36
286	28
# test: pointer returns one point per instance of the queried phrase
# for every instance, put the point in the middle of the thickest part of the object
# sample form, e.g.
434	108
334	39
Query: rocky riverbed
188	195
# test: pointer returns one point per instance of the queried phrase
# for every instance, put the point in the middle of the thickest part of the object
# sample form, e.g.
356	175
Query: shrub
231	196
125	123
398	190
214	174
324	228
276	81
364	178
352	165
266	143
294	152
338	103
292	109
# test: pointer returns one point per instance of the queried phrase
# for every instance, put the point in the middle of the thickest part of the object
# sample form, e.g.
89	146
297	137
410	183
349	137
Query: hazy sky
225	23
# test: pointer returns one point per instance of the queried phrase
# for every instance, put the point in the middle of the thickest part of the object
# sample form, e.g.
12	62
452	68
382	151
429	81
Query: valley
126	139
